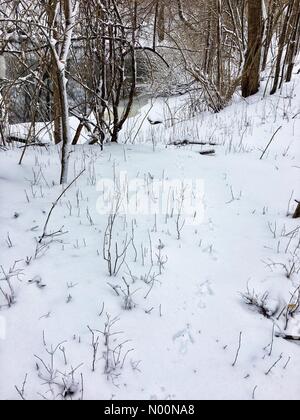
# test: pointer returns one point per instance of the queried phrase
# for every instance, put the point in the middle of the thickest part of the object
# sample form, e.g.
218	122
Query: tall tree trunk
219	46
3	111
156	13
251	75
269	32
161	23
66	129
56	105
208	41
282	43
120	120
292	48
60	55
69	15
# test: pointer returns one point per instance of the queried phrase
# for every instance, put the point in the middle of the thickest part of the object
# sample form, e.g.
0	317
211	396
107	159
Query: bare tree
251	75
56	105
282	44
66	12
293	45
3	112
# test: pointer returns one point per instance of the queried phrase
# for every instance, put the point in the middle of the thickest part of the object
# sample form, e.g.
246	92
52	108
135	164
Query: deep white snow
184	327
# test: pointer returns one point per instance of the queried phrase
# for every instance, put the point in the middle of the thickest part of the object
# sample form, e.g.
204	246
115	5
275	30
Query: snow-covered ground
172	323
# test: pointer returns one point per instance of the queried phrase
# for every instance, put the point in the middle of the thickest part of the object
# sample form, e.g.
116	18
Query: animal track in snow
183	339
204	289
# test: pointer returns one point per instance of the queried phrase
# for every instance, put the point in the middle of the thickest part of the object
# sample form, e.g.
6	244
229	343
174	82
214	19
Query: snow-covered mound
194	309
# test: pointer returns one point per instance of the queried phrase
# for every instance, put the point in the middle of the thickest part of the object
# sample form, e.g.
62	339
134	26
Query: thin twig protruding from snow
238	350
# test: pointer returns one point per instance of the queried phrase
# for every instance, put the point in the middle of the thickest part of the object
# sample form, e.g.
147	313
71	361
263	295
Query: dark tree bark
269	32
3	112
118	73
292	48
219	45
161	23
208	48
251	75
297	212
155	25
282	43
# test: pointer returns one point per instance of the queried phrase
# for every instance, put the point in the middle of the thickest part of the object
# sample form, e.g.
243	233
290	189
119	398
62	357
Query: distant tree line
82	58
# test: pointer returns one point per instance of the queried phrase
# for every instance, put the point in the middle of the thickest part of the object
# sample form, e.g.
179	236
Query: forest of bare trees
63	58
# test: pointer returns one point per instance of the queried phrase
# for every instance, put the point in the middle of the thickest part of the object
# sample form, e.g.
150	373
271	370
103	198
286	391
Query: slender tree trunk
208	41
234	13
219	46
3	111
60	55
56	105
242	19
292	48
69	14
251	76
269	32
282	43
66	130
161	23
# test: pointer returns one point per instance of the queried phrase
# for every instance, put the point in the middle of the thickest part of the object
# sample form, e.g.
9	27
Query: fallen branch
16	139
208	152
12	139
192	143
33	145
157	122
288	337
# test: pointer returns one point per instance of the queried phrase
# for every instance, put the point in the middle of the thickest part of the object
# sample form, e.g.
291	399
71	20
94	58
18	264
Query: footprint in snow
183	339
204	289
